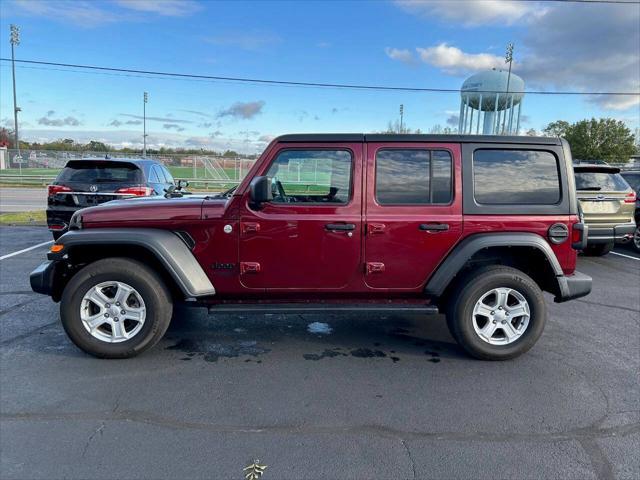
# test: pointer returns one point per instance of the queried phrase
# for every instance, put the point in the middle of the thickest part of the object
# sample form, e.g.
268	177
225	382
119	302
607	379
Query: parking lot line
625	256
8	255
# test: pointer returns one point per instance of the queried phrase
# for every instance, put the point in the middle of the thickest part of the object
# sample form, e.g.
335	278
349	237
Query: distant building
489	106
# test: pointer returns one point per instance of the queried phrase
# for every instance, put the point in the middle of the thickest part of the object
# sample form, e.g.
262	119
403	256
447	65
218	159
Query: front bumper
43	277
611	234
573	286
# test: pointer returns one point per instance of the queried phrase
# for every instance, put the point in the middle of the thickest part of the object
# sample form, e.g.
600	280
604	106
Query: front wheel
498	314
116	308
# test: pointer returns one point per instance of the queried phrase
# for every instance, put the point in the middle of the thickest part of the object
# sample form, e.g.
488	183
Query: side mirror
260	190
182	184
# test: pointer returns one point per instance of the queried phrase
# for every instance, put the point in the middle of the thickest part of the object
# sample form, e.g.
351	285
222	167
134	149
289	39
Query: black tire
56	235
635	242
145	281
598	250
471	288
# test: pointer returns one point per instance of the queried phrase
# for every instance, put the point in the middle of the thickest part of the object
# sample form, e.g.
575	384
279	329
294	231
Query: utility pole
401	116
144	124
15	40
507	59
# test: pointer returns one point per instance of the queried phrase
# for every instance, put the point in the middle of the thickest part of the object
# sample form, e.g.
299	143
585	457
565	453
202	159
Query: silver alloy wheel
636	238
501	316
112	312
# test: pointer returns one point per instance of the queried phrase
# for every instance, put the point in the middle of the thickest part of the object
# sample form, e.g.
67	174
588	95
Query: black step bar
321	308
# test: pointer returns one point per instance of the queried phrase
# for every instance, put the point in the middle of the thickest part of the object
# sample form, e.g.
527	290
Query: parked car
608	203
88	182
407	223
633	179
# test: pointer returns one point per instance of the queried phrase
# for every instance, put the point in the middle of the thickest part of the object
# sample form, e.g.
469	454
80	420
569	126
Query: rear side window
167	175
100	171
600	181
525	177
413	177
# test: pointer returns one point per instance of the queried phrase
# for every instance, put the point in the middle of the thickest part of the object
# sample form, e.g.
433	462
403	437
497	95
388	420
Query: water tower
492	98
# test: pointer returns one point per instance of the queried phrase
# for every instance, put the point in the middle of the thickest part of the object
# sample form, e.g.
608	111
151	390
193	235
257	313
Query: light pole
507	59
144	124
401	116
15	40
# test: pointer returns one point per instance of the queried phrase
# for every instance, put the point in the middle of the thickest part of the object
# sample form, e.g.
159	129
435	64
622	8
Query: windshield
100	171
597	181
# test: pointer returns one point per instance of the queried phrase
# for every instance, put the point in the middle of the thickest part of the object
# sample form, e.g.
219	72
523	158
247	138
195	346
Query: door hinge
375	267
249	267
247	227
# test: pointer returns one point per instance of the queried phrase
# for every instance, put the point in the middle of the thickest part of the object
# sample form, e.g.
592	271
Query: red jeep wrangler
475	227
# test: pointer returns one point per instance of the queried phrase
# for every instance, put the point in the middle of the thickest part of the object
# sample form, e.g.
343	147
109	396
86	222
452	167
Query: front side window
311	176
413	177
524	177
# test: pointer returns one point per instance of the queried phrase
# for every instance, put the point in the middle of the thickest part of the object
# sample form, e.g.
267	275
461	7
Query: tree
597	139
532	132
557	129
6	137
95	146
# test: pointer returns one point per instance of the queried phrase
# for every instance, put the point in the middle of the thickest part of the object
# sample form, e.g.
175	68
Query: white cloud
165	8
80	12
88	14
243	110
48	120
251	41
573	47
402	55
454	61
476	12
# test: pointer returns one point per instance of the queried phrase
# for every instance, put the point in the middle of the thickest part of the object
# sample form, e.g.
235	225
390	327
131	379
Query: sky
558	47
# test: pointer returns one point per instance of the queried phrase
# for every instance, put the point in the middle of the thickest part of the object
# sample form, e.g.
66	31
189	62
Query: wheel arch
161	249
527	252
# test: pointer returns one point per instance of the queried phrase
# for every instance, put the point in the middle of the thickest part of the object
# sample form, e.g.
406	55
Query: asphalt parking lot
361	397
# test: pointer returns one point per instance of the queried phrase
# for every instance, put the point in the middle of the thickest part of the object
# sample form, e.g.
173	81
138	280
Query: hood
149	209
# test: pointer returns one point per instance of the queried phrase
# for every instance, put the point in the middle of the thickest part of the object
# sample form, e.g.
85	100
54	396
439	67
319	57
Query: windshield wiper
227	193
595	189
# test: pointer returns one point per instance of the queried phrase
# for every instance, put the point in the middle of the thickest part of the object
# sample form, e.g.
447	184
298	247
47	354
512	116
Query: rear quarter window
516	177
100	171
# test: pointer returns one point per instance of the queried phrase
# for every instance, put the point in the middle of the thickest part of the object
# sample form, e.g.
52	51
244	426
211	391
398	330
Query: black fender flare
457	258
165	245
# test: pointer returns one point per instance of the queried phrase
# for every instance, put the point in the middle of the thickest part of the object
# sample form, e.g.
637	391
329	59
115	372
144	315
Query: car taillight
630	197
137	191
579	234
53	189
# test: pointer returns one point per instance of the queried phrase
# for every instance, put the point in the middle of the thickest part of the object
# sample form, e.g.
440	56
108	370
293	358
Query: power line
261	81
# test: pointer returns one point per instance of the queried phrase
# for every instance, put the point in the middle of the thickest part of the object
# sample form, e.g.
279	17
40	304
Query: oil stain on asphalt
212	352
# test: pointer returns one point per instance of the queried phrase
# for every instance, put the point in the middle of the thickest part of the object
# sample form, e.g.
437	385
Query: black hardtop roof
135	161
387	137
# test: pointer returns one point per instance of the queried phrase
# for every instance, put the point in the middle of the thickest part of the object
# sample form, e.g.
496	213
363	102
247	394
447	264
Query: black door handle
342	227
434	227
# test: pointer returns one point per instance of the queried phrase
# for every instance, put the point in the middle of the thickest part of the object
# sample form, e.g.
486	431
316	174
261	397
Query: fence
199	167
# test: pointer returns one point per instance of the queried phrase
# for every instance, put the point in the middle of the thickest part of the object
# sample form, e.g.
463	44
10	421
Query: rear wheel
598	250
498	314
635	243
116	308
